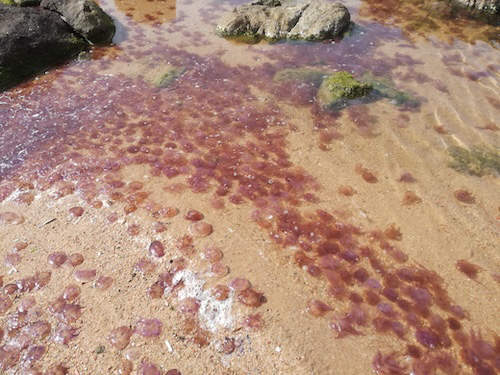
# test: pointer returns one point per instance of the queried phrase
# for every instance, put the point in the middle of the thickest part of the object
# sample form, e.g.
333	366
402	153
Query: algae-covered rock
478	161
384	87
282	19
340	87
166	76
21	3
307	75
85	17
31	40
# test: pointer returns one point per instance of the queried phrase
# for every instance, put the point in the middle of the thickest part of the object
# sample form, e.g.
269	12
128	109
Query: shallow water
401	246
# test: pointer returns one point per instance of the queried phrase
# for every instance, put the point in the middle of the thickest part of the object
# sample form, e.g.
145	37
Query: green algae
478	161
7	2
313	76
340	87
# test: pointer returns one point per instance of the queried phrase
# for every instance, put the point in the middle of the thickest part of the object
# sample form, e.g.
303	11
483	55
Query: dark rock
31	40
85	17
282	19
27	3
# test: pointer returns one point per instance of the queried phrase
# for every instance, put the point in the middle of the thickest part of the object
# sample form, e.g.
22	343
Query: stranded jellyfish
393	233
126	367
468	269
388	364
228	345
250	297
220	292
212	254
148	327
346	190
145	266
156	249
253	321
193	215
134	230
8	217
76	211
317	308
219	269
120	337
367	175
71	293
201	229
464	196
85	275
57	259
146	368
239	284
75	259
410	198
12	259
104	282
189	305
407	177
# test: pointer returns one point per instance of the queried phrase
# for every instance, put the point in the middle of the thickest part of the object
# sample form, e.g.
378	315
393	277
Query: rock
383	87
321	20
338	88
282	19
85	17
31	40
307	75
488	6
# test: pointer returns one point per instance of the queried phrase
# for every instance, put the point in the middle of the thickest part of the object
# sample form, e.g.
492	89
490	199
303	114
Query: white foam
213	314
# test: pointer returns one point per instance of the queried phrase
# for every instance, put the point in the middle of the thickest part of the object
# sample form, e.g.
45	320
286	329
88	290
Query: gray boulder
31	40
286	19
85	17
488	6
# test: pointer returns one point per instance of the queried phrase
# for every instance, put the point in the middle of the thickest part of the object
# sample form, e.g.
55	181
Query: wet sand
264	164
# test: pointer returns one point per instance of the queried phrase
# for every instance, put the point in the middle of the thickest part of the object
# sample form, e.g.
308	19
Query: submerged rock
85	17
478	161
336	89
286	19
152	70
307	75
340	87
383	87
167	76
31	40
488	6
